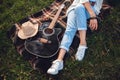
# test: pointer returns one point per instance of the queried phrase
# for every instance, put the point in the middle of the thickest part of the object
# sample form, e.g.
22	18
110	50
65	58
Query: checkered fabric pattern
44	15
49	12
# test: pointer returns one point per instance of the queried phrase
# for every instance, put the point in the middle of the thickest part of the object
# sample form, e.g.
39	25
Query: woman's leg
82	35
68	35
81	22
65	43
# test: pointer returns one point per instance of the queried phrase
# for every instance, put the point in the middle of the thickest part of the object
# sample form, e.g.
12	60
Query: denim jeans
76	20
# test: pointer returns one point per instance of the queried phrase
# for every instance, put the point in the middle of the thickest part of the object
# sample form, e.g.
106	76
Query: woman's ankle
82	44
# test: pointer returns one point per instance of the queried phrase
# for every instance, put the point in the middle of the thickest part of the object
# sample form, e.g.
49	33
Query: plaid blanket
48	13
44	15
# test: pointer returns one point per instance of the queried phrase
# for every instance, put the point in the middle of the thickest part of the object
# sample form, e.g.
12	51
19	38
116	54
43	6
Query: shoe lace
55	65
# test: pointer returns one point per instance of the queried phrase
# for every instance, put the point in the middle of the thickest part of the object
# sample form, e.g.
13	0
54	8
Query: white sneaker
80	53
56	66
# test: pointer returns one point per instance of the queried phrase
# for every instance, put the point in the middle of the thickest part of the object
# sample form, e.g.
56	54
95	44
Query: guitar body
47	43
44	50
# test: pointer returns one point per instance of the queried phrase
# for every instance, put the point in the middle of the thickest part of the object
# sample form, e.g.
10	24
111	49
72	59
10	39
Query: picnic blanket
45	15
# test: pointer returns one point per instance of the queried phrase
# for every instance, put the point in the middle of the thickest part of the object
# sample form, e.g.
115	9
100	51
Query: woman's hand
93	24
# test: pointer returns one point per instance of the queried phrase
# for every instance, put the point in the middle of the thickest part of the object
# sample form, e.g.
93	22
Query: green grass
102	60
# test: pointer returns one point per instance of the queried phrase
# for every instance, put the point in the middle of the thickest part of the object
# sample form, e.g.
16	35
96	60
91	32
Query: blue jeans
76	20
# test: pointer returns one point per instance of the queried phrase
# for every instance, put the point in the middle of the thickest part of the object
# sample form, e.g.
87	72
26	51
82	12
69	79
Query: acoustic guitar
47	43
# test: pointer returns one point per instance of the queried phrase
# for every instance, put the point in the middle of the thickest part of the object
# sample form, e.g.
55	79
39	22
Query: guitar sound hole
48	31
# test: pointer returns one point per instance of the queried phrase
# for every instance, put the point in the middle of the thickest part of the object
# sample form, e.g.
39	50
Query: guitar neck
52	24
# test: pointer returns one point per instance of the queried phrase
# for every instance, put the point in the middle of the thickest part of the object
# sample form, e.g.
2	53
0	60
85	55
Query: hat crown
28	30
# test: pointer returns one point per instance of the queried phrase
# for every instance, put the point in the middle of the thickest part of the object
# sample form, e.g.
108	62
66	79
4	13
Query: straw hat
27	30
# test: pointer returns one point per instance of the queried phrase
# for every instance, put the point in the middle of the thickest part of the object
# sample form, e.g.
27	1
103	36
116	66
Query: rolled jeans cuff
65	48
82	28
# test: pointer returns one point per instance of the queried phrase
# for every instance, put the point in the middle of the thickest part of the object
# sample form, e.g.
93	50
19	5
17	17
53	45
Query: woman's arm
93	22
